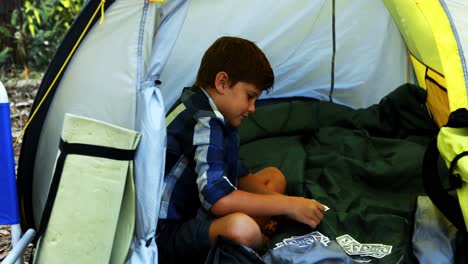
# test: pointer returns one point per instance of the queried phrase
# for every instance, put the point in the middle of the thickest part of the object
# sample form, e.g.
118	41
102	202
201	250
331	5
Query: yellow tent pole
449	53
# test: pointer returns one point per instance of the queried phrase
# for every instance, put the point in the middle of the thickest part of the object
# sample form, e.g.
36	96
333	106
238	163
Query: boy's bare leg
238	227
241	227
267	180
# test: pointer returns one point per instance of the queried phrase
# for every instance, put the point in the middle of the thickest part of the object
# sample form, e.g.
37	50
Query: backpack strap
445	202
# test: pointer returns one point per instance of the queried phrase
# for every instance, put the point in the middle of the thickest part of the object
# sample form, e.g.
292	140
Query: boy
208	191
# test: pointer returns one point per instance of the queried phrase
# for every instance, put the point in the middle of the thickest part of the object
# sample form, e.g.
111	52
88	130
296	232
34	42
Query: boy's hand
307	211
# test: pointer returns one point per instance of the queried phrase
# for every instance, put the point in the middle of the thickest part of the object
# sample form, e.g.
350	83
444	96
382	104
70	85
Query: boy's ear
221	81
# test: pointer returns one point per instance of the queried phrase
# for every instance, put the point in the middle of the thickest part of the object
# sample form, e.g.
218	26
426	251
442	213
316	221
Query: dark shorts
184	242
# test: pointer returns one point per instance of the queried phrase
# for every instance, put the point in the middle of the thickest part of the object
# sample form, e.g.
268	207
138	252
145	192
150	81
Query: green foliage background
35	30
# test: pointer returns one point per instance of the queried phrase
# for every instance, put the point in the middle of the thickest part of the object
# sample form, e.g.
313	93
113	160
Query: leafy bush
47	22
4	51
38	28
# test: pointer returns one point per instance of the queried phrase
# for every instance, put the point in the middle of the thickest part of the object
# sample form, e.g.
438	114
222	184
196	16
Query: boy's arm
222	198
304	210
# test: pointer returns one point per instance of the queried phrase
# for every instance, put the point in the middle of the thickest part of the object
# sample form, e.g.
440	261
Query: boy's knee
278	180
243	229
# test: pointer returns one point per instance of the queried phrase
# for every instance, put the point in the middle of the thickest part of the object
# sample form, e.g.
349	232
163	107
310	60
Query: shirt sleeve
242	170
212	182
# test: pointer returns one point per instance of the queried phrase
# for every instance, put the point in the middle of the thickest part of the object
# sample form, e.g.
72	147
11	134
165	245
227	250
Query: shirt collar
213	105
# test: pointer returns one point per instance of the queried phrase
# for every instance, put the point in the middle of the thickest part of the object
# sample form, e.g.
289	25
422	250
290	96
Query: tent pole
15	237
16	254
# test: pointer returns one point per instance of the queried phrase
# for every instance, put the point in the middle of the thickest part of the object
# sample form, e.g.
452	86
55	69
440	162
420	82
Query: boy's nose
252	107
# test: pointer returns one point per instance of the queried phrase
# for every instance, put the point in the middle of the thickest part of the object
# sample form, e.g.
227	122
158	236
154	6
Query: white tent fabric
114	87
172	52
150	157
149	165
122	19
365	35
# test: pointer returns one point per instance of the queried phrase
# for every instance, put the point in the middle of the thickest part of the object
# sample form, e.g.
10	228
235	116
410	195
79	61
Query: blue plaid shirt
202	157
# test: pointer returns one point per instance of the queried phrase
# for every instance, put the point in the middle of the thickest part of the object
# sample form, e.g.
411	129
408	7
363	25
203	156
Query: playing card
305	240
278	245
301	241
303	236
321	238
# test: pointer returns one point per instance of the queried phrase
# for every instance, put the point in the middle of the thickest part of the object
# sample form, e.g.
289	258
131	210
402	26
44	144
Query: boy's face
237	102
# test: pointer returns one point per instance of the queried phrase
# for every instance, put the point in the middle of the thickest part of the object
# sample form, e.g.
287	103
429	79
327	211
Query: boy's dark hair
241	59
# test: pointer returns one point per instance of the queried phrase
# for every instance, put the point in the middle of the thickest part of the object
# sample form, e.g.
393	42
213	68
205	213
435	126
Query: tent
125	62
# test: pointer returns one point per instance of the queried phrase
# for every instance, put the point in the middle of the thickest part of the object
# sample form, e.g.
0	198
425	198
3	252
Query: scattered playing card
304	241
299	242
280	244
320	238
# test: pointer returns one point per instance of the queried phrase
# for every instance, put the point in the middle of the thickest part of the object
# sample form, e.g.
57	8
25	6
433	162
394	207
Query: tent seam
140	46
